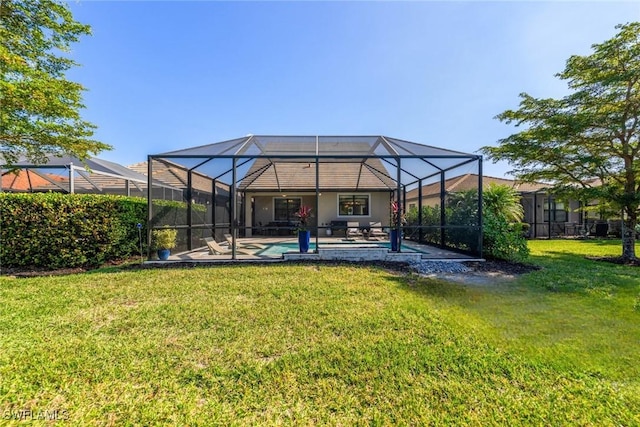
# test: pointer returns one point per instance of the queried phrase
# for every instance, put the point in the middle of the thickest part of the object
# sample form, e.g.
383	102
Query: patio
330	248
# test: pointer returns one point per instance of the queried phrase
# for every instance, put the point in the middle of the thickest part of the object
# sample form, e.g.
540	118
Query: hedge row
54	230
501	238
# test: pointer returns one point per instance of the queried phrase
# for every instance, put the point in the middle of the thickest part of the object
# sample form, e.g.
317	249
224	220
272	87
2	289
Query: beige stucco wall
378	209
327	209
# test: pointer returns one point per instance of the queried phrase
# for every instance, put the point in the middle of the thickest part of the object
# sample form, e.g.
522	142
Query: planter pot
303	240
393	236
163	254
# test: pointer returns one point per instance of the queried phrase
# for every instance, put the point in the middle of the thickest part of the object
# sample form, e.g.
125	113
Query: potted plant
164	240
304	213
397	220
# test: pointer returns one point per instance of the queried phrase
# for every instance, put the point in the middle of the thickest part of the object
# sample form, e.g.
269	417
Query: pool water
276	249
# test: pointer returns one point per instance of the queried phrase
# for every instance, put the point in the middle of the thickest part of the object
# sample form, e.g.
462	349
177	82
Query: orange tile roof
25	180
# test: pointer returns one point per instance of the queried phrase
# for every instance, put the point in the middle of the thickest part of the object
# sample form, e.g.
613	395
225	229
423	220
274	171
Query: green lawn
336	345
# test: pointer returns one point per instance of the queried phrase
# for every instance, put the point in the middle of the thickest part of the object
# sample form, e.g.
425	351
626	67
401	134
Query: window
284	209
558	212
353	204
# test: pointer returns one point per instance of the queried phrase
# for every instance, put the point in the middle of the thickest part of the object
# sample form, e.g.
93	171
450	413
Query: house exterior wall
536	216
430	201
379	205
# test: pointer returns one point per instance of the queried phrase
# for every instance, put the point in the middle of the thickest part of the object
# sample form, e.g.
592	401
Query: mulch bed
36	272
42	271
502	267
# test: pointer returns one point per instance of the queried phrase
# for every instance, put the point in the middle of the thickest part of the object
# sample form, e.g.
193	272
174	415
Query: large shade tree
39	107
586	144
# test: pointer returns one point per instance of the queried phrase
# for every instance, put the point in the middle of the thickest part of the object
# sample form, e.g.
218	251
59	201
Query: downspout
404	198
72	180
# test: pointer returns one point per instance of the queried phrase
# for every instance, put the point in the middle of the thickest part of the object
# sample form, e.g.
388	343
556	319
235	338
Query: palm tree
504	202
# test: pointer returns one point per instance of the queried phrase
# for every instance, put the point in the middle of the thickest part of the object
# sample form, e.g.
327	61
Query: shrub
430	216
462	219
171	212
503	240
164	238
504	234
56	230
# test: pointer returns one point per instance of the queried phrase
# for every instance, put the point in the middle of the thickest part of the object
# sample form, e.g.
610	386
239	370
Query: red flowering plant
304	213
397	216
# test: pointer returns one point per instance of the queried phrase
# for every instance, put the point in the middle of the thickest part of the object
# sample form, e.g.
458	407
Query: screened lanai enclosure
67	174
252	187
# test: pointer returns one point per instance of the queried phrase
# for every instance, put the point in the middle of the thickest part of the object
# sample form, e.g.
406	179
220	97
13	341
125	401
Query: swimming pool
277	249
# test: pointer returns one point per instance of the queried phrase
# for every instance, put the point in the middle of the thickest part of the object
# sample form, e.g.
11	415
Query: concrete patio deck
330	248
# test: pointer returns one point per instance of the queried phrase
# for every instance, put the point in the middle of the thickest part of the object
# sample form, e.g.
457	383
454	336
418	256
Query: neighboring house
171	182
98	176
546	215
71	175
28	181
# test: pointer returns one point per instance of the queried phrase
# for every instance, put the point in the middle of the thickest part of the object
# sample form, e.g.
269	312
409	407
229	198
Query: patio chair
353	229
375	231
229	240
216	249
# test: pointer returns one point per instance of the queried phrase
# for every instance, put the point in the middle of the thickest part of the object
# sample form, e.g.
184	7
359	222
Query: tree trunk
629	236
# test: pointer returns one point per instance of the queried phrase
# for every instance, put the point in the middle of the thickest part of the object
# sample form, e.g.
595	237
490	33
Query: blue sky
168	75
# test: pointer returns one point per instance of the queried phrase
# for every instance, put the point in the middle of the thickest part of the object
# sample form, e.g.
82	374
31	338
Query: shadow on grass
128	266
574	273
28	272
560	272
428	287
602	242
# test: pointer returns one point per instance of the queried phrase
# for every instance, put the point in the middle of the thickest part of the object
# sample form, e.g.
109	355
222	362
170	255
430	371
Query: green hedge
53	230
502	238
171	212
